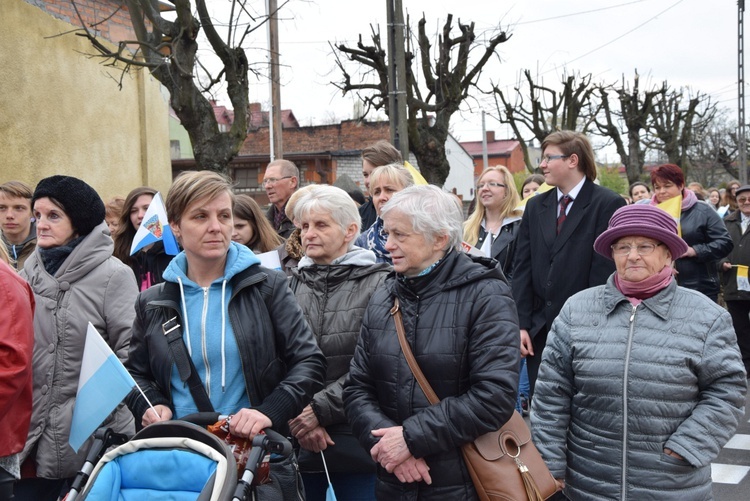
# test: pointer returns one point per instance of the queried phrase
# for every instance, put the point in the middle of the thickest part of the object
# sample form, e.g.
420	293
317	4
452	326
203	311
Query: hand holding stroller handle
273	442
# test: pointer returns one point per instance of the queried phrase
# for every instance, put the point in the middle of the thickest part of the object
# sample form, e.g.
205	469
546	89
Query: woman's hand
248	423
527	348
670	452
413	470
316	440
163	413
391	450
726	266
303	424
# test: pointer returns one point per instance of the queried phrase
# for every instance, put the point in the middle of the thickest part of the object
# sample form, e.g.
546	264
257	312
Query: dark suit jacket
549	268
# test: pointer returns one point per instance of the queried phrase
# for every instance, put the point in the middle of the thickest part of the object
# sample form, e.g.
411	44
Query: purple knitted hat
641	220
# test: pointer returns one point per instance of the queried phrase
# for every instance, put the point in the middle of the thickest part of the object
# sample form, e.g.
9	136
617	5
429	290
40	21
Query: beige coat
90	286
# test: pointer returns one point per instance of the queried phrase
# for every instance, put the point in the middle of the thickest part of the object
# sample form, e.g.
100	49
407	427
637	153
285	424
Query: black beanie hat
81	203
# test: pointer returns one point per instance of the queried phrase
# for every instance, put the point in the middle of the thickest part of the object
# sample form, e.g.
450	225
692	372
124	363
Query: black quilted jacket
461	323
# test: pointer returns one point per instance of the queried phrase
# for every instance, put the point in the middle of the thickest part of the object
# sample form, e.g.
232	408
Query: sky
688	43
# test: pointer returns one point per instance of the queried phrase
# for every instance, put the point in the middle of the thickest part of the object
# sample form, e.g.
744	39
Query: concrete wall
61	112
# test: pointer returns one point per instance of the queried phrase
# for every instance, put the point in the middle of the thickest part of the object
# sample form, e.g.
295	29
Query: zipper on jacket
204	348
624	483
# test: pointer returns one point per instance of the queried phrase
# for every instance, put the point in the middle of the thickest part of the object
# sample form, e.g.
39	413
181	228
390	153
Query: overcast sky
690	43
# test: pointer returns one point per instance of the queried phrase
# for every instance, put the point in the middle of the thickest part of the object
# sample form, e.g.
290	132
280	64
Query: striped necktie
564	201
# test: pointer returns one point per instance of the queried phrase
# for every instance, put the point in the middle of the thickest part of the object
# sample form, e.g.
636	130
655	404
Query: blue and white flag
103	384
154	228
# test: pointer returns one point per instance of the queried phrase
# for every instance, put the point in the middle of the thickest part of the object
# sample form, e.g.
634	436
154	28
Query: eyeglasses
547	158
490	184
743	200
642	249
274	180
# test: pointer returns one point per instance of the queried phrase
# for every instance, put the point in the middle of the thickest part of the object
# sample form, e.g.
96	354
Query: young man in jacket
555	245
18	228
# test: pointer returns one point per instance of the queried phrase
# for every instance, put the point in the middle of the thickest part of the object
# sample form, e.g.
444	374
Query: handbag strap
413	365
185	367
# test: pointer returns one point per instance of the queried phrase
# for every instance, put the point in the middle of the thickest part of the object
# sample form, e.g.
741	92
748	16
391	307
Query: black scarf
54	257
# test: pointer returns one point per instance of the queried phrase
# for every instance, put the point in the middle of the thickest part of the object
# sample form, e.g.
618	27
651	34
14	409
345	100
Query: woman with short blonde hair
385	181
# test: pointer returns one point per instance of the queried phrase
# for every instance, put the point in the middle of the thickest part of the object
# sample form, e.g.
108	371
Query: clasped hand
393	455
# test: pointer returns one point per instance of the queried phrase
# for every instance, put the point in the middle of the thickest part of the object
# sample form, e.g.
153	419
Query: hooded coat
333	298
281	366
618	384
461	323
90	286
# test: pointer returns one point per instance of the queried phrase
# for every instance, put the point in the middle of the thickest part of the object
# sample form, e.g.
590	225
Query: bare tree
629	121
542	110
435	88
168	49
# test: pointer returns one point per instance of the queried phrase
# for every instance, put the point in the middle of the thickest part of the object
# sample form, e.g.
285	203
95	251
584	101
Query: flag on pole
154	228
103	384
673	207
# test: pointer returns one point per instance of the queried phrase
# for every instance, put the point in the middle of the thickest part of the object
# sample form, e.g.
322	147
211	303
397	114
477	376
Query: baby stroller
171	460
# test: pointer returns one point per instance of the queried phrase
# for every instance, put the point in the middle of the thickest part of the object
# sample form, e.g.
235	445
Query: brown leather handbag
504	464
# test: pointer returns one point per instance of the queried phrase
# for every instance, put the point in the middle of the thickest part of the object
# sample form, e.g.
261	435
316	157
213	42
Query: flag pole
147	401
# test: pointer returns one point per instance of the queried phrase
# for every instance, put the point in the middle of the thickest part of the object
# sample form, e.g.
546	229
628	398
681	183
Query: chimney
490	136
254	107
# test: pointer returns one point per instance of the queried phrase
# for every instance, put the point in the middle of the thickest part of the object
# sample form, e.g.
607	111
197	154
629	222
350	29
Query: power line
624	34
579	13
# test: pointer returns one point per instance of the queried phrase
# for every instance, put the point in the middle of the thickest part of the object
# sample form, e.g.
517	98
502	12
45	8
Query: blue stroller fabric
153	474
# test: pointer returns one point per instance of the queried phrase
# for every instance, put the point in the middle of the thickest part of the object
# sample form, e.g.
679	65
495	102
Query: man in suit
555	255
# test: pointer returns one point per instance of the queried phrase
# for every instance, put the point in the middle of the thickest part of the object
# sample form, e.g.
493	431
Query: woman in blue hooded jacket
241	327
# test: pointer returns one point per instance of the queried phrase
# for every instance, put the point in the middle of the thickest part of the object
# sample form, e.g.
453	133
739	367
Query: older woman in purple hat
641	382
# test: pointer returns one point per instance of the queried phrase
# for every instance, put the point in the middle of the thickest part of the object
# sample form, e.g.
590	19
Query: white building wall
461	176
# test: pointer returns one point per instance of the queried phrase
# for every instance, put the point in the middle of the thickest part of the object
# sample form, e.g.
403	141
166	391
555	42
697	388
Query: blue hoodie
209	336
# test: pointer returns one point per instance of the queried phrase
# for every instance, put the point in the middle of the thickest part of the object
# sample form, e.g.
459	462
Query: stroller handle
270	442
203	418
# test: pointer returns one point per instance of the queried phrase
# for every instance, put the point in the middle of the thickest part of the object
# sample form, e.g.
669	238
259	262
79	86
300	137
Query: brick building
506	152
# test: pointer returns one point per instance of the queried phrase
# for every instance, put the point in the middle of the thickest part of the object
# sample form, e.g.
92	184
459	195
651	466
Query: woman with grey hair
333	283
384	182
461	324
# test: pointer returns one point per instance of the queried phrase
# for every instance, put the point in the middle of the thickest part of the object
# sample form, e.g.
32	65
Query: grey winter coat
618	384
334	299
90	286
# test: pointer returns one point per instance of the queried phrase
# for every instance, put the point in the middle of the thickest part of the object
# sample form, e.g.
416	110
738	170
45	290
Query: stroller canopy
173	460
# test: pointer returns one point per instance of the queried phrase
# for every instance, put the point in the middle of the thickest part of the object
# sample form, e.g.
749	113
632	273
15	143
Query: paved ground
731	470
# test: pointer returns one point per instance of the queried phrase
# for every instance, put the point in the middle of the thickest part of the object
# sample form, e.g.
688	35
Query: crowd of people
601	313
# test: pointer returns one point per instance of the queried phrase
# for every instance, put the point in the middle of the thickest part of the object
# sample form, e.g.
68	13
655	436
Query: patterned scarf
376	241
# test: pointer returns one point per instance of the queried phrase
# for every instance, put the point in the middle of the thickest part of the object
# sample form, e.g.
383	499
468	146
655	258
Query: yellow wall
61	112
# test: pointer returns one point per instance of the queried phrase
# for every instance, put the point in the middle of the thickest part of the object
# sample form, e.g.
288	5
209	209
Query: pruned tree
169	50
675	125
436	85
540	110
625	126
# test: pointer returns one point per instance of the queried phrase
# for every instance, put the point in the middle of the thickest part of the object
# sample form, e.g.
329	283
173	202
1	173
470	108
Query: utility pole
485	161
397	77
742	158
274	115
